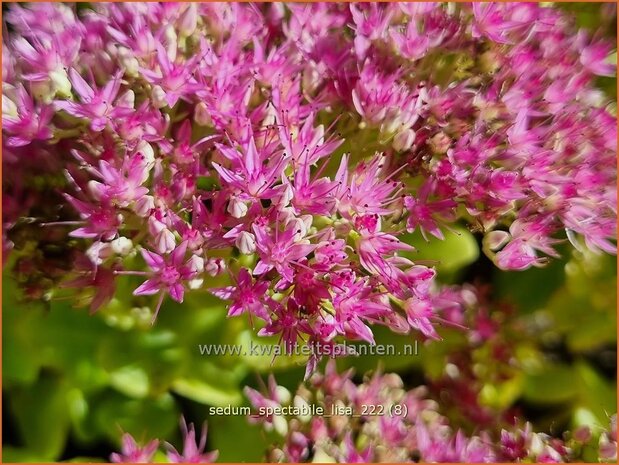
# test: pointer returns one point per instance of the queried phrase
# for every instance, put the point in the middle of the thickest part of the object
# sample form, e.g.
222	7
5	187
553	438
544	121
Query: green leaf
131	380
530	289
236	439
12	454
206	393
20	359
207	183
555	384
42	416
113	414
597	395
457	250
265	354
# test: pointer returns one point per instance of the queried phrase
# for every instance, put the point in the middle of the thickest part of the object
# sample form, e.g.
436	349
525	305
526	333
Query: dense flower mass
379	421
284	158
289	148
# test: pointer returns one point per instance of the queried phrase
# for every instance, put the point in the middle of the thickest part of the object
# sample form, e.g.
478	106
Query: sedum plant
325	172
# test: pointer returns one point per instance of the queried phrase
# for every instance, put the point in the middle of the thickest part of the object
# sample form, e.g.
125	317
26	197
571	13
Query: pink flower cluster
193	451
290	146
390	424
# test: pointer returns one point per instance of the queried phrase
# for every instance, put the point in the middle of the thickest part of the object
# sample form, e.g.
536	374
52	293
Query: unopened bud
246	243
237	208
202	116
215	266
196	264
188	21
404	140
99	252
127	99
8	107
128	61
158	97
122	245
494	240
440	142
144	206
61	86
165	242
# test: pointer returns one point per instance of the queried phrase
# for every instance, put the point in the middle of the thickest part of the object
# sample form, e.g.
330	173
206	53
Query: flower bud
246	243
122	245
196	264
300	228
582	434
202	116
215	266
440	143
188	21
42	91
392	122
195	283
494	240
147	150
237	208
61	86
128	61
165	241
158	97
170	40
99	252
287	196
8	107
144	206
127	99
404	140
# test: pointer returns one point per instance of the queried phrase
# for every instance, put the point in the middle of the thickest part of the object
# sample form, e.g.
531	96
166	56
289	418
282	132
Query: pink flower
419	314
193	452
169	274
121	186
280	250
131	452
253	172
23	120
594	57
247	297
101	220
174	79
427	214
526	240
96	105
356	305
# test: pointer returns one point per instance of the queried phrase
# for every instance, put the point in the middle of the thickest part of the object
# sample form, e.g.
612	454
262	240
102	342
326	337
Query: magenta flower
101	221
121	186
97	105
427	215
174	79
23	120
356	306
169	274
280	250
131	452
594	57
193	452
247	297
253	172
419	314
